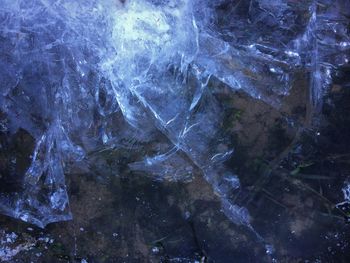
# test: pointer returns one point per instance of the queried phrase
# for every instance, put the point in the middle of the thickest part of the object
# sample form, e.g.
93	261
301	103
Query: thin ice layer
85	76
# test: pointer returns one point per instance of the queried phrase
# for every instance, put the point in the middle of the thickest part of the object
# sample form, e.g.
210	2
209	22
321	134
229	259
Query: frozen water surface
80	77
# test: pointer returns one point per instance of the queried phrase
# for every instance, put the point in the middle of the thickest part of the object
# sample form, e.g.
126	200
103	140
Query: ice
82	77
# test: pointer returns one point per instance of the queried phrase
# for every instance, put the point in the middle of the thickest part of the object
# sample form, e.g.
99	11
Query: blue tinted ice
84	76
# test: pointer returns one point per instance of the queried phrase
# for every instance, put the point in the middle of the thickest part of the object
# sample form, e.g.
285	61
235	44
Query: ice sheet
83	76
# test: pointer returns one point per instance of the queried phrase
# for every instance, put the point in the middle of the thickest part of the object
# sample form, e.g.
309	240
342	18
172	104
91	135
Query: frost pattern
86	76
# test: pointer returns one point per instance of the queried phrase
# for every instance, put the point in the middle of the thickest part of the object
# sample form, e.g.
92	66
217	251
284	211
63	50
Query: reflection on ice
132	75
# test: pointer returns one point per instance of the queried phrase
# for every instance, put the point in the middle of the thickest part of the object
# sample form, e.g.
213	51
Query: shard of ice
82	76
